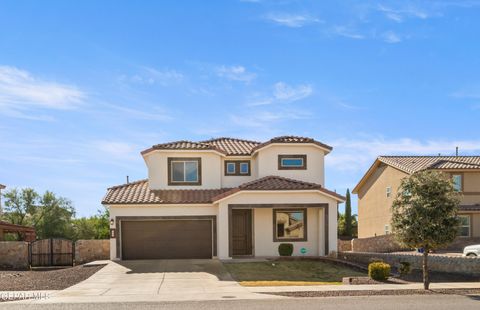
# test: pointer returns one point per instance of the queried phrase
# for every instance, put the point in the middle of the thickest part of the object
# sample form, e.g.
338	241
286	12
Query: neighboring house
378	188
27	233
226	198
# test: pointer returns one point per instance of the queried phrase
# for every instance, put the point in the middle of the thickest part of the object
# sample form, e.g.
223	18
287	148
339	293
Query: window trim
170	160
237	168
469	216
386	229
305	227
293	156
388	192
461	181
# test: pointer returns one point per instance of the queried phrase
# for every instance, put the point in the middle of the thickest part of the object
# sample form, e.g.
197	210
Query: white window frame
240	168
292	166
234	168
386	229
460	176
389	191
184	171
469	225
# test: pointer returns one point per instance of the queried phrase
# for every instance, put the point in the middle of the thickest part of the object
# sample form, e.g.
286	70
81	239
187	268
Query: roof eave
152	150
327	149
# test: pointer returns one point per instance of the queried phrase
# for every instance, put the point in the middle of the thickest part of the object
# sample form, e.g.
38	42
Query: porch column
222	231
321	232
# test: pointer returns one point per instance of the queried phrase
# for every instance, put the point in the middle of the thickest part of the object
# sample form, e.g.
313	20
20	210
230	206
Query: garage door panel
166	239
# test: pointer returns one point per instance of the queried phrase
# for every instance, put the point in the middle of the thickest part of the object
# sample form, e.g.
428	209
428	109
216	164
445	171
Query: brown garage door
165	239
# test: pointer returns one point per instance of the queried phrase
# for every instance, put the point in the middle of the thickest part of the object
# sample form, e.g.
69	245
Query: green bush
375	260
404	268
285	249
379	271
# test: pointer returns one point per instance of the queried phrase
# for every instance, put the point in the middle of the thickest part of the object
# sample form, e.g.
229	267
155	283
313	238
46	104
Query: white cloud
235	73
151	76
359	154
263	119
399	15
347	32
391	37
292	20
282	92
20	92
120	150
469	92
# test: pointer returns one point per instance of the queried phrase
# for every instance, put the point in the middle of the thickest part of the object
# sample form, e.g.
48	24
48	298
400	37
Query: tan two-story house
226	198
378	188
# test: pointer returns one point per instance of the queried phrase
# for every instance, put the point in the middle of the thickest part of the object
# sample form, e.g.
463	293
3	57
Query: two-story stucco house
226	198
378	188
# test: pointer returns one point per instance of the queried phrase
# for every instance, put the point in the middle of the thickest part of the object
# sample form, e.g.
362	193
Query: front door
241	232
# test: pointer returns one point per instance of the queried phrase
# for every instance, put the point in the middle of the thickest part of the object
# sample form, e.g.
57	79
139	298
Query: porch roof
140	193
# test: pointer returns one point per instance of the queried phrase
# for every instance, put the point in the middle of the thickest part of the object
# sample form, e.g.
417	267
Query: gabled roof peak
233	146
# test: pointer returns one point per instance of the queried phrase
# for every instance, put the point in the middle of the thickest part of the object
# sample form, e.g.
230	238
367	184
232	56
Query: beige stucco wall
263	222
471	188
471	182
263	229
475	224
158	173
236	180
152	210
374	208
267	162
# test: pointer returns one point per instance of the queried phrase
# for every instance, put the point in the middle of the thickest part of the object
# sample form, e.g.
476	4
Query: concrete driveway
156	280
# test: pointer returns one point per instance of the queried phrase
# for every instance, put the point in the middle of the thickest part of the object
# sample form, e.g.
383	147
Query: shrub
285	249
404	268
379	271
375	260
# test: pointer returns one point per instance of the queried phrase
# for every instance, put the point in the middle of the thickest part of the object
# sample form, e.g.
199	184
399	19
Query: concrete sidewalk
363	287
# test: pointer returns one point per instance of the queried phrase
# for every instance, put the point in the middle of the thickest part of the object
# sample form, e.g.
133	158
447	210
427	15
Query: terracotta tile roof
292	139
183	145
276	183
232	146
470	208
139	193
411	164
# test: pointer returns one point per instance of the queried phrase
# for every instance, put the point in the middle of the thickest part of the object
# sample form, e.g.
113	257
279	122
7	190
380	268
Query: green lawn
305	271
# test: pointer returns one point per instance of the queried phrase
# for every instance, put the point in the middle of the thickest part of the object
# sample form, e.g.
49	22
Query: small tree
424	213
348	215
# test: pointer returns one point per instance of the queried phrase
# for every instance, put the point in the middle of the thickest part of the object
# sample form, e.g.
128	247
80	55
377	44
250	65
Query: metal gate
51	252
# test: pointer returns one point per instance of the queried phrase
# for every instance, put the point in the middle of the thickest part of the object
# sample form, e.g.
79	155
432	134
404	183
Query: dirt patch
475	292
58	279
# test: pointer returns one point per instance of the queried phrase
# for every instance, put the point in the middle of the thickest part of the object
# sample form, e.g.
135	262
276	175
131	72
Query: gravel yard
475	292
58	279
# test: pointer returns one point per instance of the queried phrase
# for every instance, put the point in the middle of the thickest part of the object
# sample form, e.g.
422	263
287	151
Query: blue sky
86	85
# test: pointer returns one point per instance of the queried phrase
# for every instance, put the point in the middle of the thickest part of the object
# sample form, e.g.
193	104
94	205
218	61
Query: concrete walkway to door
156	280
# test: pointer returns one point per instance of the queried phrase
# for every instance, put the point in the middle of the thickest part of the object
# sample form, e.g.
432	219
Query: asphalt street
410	302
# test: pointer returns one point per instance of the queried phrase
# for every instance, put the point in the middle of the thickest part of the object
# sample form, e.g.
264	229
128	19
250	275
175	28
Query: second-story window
457	182
292	162
237	167
184	171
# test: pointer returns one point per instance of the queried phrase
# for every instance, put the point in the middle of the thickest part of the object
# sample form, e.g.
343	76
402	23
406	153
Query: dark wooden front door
242	232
